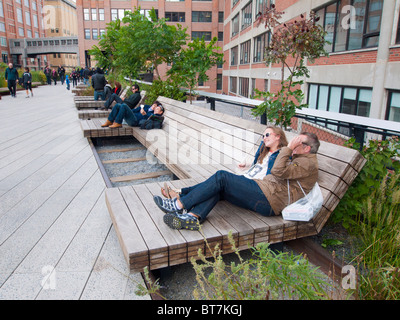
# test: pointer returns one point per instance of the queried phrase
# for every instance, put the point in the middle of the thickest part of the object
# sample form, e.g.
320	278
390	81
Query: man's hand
295	142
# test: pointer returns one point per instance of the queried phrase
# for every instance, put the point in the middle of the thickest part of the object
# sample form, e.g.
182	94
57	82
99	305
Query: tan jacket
303	168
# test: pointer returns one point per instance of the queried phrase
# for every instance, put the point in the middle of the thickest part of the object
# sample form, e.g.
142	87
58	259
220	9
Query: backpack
153	122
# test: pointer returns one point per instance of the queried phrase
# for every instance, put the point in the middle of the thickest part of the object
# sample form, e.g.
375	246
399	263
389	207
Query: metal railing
361	128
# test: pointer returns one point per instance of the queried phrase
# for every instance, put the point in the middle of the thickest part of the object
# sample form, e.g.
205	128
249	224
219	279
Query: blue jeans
98	94
121	112
238	190
111	99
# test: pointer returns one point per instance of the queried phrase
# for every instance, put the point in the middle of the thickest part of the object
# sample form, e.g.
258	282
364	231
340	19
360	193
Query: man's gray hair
312	141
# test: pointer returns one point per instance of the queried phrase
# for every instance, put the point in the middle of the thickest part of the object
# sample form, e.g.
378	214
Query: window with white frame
86	15
260	43
245	52
235	25
393	110
247	15
360	31
94	14
101	14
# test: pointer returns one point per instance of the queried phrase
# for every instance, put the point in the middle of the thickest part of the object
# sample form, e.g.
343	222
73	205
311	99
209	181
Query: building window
393	111
245	52
95	34
87	34
233	84
244	87
86	15
26	3
262	5
102	32
398	31
348	100
19	15
3	42
201	34
201	16
114	14
234	56
101	14
234	2
28	18
1	10
220	17
35	21
94	14
351	25
260	43
247	15
235	25
146	13
2	27
175	16
219	81
220	36
21	32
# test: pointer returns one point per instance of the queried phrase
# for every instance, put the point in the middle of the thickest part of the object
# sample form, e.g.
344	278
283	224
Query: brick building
63	23
21	19
360	77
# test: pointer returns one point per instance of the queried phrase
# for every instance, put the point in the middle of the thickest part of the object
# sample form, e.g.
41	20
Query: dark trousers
111	99
121	112
12	86
238	190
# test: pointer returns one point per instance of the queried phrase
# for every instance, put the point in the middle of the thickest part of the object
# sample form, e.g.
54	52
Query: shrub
379	230
381	157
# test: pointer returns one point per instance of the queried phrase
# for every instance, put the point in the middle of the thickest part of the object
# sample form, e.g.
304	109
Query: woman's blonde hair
282	143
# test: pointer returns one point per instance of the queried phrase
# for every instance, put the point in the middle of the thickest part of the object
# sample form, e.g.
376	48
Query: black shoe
181	221
167	205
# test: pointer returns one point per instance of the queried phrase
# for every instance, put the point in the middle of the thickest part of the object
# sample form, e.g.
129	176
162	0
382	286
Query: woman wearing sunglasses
241	190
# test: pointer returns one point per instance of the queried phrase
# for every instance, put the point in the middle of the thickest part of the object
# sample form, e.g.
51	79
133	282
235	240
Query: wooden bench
194	143
94	104
89	114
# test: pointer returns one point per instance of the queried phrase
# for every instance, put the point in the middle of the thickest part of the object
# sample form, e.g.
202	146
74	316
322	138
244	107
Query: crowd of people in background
60	74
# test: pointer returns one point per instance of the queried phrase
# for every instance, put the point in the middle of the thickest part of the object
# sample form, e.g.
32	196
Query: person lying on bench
130	101
267	196
133	118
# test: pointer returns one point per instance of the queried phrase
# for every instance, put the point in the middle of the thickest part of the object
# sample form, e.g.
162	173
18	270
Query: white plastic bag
305	208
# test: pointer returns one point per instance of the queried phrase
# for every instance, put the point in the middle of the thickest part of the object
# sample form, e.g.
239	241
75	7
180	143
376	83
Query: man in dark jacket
61	73
131	101
98	84
11	77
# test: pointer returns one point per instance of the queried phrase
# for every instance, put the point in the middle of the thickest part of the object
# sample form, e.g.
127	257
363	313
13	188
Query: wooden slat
141	176
127	160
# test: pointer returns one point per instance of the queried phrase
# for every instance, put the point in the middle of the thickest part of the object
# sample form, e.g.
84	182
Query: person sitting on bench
130	101
267	196
133	118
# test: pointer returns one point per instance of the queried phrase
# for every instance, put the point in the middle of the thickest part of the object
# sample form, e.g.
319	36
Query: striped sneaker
167	205
181	221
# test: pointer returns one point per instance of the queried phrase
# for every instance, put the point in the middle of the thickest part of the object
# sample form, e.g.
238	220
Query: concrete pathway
56	236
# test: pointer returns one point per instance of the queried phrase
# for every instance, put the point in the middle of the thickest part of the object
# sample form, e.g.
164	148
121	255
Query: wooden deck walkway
53	217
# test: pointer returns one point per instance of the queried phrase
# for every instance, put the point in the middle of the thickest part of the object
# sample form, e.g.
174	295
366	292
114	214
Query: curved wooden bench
194	143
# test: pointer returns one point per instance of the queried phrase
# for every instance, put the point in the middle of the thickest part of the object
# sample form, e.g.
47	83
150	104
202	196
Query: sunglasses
267	135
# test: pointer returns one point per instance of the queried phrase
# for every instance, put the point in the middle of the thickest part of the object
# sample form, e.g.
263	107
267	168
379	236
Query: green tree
192	63
292	43
138	43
